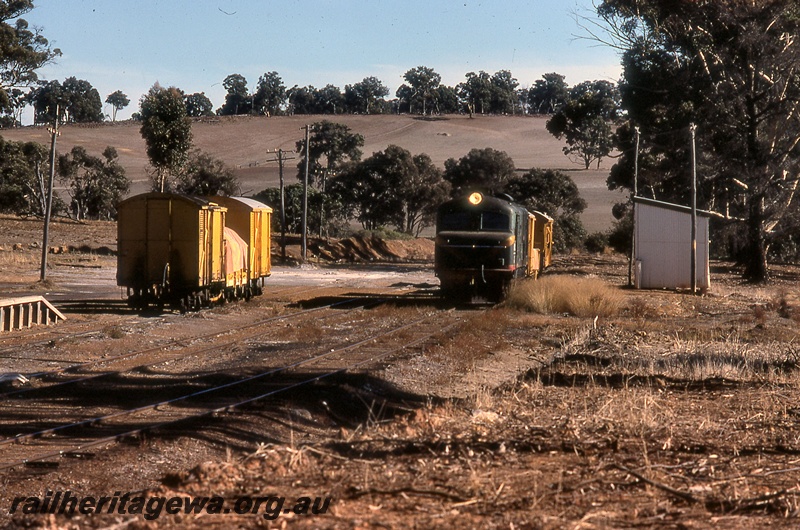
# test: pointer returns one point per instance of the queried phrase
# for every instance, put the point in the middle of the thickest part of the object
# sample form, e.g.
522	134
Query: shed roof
672	206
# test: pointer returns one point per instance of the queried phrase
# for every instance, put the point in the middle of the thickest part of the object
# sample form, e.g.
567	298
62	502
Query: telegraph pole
49	206
304	247
693	260
281	157
633	207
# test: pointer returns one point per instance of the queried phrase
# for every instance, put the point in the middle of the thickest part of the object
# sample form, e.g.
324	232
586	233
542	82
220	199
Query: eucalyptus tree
330	99
95	184
392	188
302	100
118	101
503	92
24	50
331	146
270	94
362	96
198	105
83	101
167	133
548	94
77	101
476	92
732	68
237	99
24	167
207	175
423	83
481	169
45	99
586	121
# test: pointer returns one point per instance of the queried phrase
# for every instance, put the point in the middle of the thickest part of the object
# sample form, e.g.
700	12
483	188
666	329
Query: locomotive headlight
475	198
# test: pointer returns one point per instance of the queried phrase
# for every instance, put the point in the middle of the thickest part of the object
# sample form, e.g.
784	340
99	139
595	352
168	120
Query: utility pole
633	207
281	157
49	206
693	260
322	200
304	247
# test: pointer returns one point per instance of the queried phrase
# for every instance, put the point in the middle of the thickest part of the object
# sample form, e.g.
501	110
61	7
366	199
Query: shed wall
663	247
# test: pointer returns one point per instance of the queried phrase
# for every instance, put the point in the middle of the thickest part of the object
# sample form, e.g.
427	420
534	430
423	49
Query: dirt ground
675	411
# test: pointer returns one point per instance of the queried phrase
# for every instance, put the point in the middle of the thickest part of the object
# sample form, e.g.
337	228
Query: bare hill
243	142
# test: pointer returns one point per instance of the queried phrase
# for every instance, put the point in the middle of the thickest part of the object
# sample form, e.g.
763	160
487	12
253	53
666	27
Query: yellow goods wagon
543	238
171	248
251	220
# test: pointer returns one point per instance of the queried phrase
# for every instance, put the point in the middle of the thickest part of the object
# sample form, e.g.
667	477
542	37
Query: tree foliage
504	92
311	100
83	101
167	132
476	92
270	94
731	67
481	169
23	50
95	184
585	121
554	193
331	146
293	200
24	171
206	175
362	96
118	101
237	99
77	101
392	187
198	105
547	94
422	89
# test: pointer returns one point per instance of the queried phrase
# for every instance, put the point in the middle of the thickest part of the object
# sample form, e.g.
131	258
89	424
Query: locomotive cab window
475	221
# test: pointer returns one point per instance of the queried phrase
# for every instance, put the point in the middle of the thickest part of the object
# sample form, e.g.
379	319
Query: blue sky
128	45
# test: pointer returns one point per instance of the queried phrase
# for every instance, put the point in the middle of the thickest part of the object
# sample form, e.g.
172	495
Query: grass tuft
580	297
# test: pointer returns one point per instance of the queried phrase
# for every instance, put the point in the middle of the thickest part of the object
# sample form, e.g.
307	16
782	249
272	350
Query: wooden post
49	206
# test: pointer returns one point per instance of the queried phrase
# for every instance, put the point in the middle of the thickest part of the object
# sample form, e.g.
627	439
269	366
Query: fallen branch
412	491
672	491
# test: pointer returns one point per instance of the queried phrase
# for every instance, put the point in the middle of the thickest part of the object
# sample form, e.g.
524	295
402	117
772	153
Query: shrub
596	242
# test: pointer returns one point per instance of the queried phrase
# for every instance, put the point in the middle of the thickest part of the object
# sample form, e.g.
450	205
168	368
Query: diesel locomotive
483	242
191	251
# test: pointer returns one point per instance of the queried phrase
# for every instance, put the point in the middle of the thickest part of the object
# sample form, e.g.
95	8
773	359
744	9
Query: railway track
46	354
48	436
173	352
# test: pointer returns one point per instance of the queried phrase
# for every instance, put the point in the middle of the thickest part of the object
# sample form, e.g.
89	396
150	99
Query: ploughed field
242	143
667	410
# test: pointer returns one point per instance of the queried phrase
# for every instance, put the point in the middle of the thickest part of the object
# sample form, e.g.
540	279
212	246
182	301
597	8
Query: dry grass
581	297
18	258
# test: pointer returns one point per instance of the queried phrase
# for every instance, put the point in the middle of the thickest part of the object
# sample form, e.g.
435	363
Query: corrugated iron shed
663	245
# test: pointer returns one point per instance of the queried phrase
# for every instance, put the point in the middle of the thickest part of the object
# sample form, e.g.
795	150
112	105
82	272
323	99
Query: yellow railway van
251	218
180	250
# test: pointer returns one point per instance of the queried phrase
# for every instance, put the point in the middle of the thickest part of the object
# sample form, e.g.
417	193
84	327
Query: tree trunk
756	269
